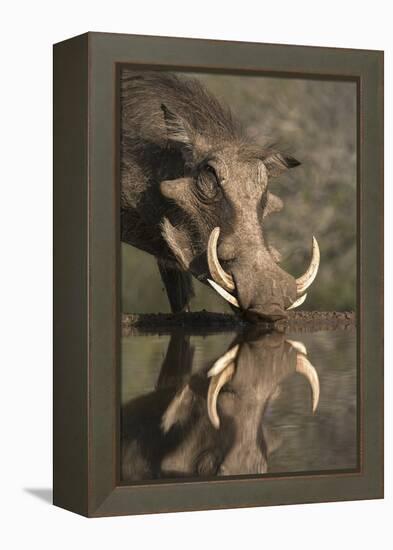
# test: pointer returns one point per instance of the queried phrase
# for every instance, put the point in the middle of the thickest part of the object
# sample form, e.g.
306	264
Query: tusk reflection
224	361
216	383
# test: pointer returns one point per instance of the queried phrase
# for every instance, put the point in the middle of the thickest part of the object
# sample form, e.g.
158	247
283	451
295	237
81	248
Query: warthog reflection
211	422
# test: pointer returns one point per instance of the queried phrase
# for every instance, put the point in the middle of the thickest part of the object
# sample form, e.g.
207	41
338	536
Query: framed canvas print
218	274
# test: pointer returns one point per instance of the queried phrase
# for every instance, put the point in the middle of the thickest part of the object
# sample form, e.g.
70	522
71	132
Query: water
176	422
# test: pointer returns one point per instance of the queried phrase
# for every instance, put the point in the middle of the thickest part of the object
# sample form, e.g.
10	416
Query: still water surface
253	414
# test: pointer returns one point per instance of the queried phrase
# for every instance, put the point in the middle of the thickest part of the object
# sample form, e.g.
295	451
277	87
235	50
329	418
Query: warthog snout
253	282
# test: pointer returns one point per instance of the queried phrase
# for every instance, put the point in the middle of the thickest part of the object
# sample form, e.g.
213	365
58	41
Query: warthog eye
208	184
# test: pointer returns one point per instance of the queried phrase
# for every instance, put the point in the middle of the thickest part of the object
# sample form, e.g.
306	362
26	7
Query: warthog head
212	422
215	225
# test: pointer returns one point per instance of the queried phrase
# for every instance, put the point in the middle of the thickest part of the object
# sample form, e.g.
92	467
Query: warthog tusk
231	299
216	383
303	282
299	346
219	275
298	302
303	366
223	361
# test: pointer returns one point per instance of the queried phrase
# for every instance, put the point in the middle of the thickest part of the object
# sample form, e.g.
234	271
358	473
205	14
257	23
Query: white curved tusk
223	361
219	275
299	346
303	366
231	299
216	383
297	302
303	282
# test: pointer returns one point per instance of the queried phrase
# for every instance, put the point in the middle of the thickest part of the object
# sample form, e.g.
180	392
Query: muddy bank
200	322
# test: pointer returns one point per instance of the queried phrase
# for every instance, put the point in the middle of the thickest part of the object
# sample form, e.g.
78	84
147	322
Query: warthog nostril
268	312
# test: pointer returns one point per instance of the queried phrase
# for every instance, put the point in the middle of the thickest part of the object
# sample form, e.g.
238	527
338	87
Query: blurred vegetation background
316	122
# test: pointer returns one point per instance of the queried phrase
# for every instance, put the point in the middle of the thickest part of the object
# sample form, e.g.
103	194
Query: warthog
195	192
211	422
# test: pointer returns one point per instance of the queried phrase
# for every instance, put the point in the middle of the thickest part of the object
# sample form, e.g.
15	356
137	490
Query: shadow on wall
316	121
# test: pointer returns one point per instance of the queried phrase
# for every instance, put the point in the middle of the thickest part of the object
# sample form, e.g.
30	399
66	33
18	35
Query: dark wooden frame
86	261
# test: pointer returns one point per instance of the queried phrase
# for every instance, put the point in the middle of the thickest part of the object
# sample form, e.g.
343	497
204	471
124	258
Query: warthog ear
276	163
177	128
